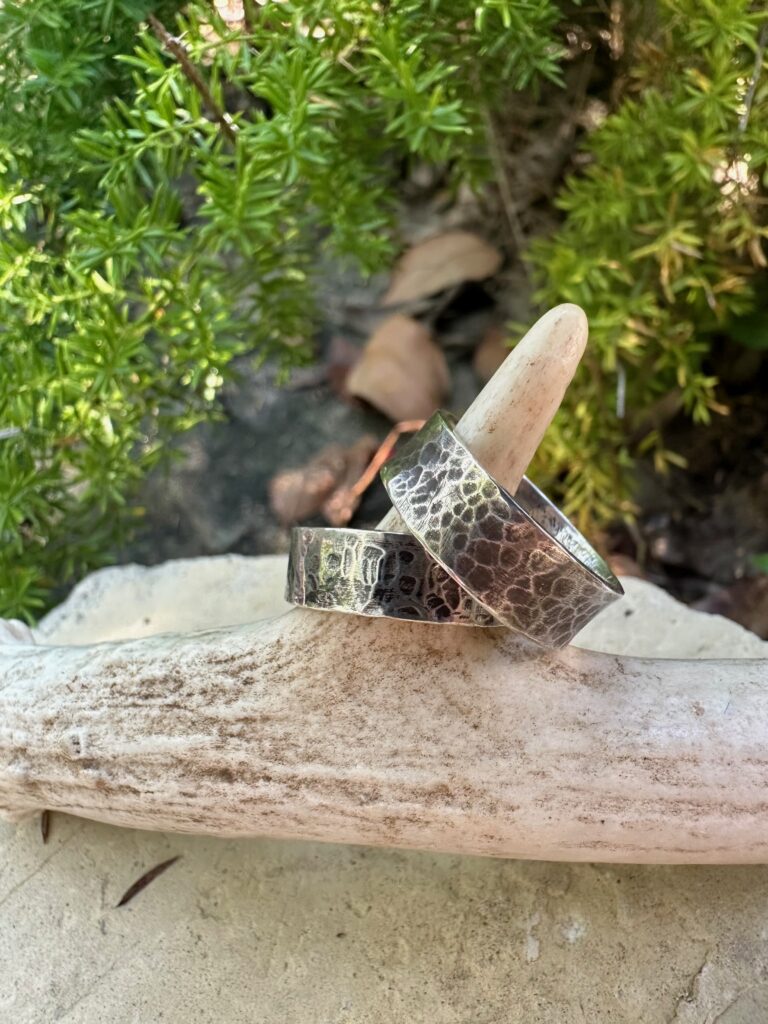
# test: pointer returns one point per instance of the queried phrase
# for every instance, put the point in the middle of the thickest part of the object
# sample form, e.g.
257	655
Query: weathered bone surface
328	727
268	728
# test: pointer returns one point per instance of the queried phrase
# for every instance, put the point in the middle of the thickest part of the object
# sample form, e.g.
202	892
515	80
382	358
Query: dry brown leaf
298	494
490	353
149	876
441	262
402	372
231	11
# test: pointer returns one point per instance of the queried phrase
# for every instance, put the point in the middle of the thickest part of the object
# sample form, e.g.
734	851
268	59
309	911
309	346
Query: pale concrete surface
273	932
287	933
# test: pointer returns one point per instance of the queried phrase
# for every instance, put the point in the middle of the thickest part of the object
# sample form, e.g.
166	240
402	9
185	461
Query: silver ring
519	556
369	572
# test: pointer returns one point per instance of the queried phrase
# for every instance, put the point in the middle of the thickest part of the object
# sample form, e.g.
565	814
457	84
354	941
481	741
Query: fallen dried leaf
402	372
298	494
231	11
439	263
145	879
490	353
339	508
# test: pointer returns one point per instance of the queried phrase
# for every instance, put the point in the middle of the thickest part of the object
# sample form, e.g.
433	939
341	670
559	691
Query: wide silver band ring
370	572
519	556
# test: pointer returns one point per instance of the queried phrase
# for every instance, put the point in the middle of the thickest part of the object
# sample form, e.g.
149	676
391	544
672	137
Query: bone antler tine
390	733
506	422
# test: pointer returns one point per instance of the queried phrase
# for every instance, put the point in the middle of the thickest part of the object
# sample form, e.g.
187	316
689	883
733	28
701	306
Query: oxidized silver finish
518	557
369	572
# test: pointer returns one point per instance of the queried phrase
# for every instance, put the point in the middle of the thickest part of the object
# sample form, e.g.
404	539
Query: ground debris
299	494
441	262
342	504
401	372
744	601
146	878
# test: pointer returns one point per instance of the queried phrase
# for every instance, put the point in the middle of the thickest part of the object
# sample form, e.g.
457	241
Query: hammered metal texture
369	572
519	557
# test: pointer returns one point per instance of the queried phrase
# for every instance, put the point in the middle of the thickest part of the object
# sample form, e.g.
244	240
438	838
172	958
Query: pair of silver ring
475	555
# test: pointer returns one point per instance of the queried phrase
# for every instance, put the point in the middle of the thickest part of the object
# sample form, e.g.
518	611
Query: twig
503	183
616	36
341	506
621	390
45	826
176	48
382	453
762	40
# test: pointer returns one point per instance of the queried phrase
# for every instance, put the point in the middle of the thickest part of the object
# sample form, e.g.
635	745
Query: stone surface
260	932
299	933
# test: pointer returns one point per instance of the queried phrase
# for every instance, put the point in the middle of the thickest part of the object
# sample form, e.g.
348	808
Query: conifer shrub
663	243
168	172
166	176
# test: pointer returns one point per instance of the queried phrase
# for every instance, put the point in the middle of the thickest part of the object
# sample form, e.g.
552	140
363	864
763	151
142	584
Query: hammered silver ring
371	572
519	557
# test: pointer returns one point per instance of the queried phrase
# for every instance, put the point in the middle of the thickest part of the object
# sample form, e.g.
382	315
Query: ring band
369	572
519	557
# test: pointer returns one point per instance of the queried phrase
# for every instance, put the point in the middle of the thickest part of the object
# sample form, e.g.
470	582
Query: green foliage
167	177
662	244
751	329
162	201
